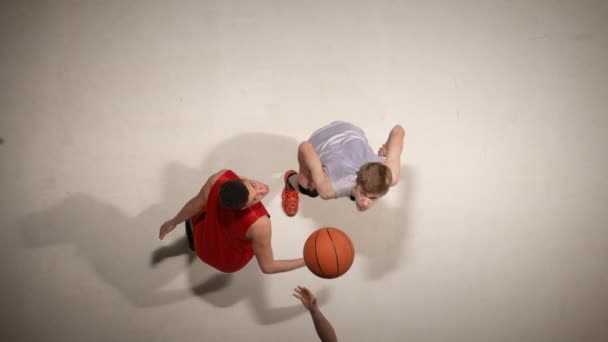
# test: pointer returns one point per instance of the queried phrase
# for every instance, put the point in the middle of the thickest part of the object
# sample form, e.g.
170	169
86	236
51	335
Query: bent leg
304	174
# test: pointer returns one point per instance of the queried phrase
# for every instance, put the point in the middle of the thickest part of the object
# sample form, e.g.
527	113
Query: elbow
268	269
325	192
394	178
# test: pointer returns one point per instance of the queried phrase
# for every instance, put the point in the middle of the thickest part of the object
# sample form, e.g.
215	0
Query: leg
304	178
189	234
190	228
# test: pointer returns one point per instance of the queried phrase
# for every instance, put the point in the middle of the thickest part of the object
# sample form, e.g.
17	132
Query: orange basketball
328	252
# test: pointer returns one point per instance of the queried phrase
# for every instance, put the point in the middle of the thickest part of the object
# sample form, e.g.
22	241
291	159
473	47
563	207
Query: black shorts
190	229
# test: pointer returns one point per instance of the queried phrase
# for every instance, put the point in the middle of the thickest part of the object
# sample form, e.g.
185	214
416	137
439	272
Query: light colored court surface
114	113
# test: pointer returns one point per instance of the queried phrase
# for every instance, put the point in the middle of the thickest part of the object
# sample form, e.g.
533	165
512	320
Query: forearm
191	208
323	327
397	133
279	266
394	146
394	143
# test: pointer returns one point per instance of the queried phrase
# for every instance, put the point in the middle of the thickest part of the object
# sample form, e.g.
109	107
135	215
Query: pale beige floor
113	113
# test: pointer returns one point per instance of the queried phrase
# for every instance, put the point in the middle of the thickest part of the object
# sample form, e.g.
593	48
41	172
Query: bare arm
319	178
391	150
194	205
260	235
324	329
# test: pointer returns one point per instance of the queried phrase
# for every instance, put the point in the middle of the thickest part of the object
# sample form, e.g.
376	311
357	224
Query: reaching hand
308	299
383	151
165	229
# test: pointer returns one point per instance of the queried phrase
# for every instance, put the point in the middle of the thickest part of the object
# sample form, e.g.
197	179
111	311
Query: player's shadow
116	246
125	251
378	234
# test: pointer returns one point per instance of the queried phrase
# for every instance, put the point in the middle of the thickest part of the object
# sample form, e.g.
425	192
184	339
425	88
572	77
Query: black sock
311	193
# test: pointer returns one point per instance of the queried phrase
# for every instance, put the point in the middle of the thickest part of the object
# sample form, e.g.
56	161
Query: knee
303	146
324	196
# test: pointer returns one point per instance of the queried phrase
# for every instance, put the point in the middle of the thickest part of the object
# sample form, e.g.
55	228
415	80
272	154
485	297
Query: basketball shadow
378	233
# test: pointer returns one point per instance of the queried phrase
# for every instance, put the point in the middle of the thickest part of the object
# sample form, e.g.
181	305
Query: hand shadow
249	284
246	284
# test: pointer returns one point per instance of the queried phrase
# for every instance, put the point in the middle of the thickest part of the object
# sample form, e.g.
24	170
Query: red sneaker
290	198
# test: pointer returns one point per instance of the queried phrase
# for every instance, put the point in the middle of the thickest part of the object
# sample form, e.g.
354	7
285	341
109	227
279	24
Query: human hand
383	151
308	299
166	228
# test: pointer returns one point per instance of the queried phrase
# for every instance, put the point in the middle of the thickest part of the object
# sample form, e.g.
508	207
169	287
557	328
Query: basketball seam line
317	254
335	252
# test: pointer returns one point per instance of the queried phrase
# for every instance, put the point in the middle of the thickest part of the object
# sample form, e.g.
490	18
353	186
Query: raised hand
308	299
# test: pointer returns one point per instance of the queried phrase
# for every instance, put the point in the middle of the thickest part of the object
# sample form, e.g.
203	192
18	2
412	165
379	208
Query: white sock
293	181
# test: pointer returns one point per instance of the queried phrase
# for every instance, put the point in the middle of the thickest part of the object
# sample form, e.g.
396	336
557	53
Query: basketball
328	252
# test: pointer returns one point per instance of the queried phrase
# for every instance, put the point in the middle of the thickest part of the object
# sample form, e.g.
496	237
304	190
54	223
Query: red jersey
219	233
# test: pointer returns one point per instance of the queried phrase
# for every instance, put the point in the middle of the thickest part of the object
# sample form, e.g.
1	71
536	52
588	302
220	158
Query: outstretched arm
195	205
391	151
320	180
324	329
260	235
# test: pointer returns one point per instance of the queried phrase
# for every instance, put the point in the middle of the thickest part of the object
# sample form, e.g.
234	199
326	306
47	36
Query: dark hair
374	178
234	194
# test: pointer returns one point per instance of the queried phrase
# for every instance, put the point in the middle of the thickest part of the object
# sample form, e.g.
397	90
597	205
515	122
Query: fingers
303	294
307	291
299	295
165	229
302	291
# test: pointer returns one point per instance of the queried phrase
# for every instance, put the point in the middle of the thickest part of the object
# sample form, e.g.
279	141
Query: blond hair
374	178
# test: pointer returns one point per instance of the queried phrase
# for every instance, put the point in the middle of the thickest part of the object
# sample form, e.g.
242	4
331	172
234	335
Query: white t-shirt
343	149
